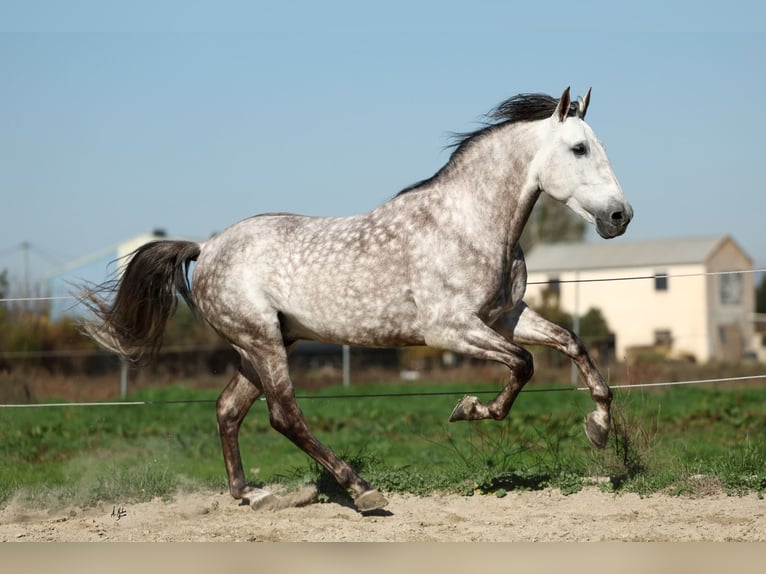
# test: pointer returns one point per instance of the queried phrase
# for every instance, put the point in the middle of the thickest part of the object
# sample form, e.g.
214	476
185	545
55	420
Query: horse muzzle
615	222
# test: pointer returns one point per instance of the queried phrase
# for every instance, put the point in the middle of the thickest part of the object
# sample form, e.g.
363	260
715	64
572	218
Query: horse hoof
369	501
596	429
464	410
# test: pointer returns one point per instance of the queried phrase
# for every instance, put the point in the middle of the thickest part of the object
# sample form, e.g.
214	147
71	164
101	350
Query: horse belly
372	323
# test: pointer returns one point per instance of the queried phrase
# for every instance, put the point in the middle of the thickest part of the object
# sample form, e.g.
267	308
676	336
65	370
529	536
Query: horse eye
579	149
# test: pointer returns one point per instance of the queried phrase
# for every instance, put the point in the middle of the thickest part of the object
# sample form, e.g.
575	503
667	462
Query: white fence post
346	366
123	377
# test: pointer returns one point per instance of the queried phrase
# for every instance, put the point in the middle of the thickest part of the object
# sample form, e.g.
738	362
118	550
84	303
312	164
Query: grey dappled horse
438	265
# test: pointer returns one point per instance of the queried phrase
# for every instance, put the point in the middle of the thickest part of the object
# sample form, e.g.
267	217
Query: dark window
663	338
554	286
730	288
660	282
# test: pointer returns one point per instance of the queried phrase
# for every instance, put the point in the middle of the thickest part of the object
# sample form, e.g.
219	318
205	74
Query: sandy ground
547	515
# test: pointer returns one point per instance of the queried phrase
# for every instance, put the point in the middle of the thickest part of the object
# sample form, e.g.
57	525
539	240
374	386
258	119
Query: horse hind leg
231	408
269	359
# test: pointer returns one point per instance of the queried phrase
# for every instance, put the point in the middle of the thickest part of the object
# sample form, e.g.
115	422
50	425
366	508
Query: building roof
613	254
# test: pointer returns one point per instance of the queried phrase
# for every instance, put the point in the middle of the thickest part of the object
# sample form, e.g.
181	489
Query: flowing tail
132	311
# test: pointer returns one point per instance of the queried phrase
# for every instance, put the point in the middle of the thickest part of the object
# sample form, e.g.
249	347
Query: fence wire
627	387
591	280
384	395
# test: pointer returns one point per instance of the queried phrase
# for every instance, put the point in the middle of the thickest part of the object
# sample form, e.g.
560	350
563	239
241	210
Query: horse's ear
563	108
583	105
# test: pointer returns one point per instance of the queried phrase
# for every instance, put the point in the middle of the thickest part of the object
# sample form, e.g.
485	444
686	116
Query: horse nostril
617	216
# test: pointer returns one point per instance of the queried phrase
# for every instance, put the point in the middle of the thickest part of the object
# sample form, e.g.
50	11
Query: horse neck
490	183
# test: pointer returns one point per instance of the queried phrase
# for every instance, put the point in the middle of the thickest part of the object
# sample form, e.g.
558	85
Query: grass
680	441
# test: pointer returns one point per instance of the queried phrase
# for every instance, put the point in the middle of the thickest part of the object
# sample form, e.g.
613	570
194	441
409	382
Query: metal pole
25	273
346	366
576	322
123	378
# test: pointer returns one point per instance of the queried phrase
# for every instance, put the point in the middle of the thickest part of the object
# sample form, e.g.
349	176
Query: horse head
573	168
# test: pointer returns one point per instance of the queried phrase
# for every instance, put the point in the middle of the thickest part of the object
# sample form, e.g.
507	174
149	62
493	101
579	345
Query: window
663	338
730	288
660	282
554	286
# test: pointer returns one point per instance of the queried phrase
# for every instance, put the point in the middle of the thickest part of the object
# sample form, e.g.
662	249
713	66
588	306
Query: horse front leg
470	408
527	326
470	336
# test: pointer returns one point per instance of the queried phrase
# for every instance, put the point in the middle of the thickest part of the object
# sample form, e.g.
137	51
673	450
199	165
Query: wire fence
571	388
579	280
360	396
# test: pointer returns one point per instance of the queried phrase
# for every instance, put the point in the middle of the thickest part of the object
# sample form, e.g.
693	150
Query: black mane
519	108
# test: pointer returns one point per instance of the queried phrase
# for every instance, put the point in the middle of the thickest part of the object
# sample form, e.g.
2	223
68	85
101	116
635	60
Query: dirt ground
547	515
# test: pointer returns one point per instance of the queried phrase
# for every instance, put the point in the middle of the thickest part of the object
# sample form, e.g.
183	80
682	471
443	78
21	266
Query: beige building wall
702	311
634	309
731	302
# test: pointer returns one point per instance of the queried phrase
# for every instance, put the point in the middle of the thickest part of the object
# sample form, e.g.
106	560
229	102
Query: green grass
678	440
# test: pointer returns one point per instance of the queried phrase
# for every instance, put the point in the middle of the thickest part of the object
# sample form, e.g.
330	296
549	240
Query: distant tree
593	328
593	325
550	308
187	329
760	296
551	222
3	283
3	292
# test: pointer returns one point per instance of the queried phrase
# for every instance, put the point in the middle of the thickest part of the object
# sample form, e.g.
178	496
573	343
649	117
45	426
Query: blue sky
116	118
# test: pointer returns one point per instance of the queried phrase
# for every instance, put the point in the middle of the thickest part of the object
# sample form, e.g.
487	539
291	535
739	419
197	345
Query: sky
120	117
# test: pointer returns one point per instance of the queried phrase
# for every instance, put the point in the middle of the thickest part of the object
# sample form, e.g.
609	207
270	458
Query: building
62	283
671	294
